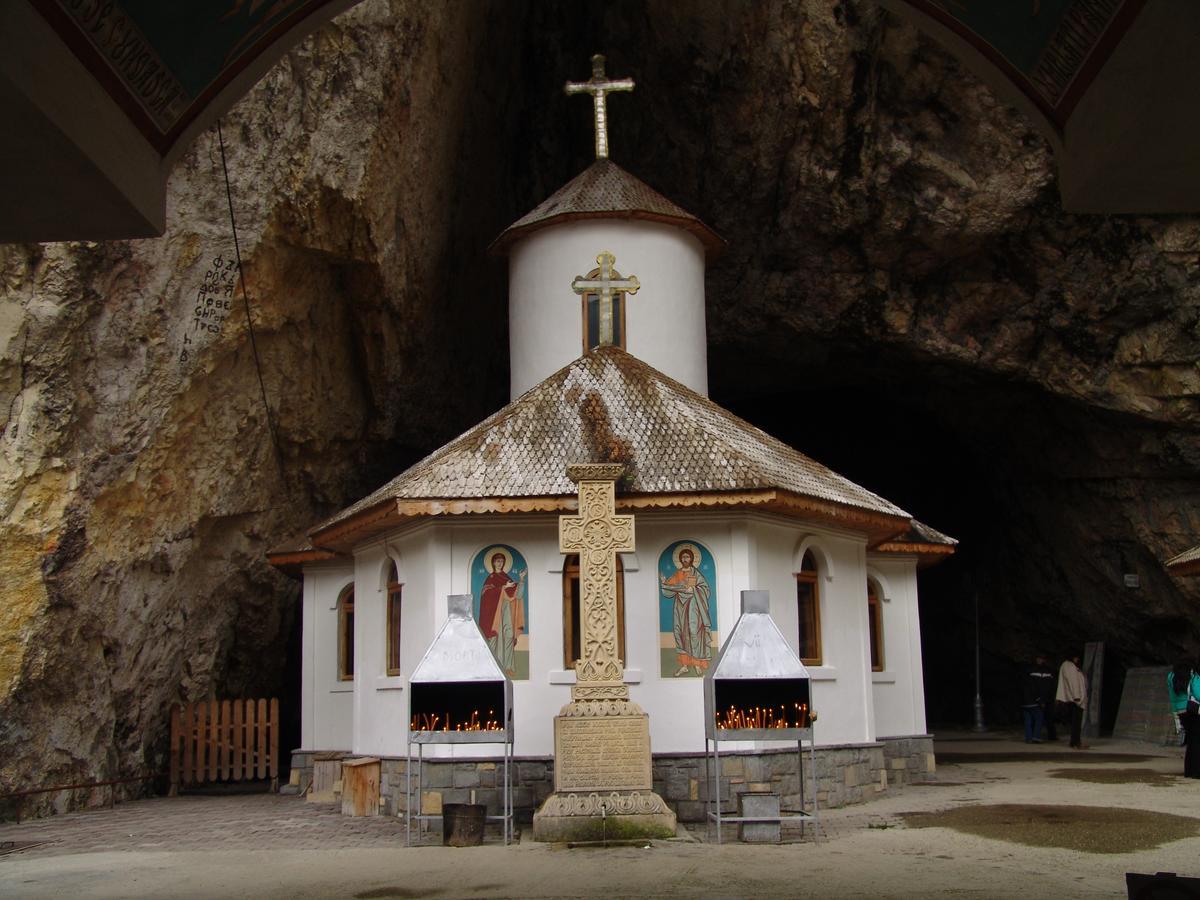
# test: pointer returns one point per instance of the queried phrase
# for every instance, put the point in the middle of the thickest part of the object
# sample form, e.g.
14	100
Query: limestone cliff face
141	486
903	298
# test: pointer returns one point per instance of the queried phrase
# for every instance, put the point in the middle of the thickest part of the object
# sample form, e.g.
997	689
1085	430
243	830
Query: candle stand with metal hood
458	694
758	690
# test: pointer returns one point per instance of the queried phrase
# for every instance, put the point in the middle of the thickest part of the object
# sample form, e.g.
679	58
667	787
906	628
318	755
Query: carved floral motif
613	803
585	709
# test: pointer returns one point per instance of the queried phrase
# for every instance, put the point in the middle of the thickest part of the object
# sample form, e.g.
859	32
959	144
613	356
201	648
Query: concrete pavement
273	846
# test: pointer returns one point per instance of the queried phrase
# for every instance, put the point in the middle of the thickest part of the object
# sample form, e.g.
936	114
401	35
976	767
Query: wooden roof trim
879	526
926	554
714	245
921	549
410	508
299	557
334	535
396	511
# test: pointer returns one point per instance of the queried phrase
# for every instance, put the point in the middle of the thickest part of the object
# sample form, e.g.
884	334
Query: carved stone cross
599	86
605	286
597	534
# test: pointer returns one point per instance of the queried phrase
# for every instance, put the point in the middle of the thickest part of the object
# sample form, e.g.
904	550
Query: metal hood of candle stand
754	651
460	656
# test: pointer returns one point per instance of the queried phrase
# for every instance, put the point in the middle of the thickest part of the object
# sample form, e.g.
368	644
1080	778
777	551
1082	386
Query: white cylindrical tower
651	239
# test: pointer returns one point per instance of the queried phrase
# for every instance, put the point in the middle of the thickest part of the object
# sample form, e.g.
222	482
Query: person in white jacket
1072	690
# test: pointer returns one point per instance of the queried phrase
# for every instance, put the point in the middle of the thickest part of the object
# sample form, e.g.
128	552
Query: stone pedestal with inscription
602	777
602	772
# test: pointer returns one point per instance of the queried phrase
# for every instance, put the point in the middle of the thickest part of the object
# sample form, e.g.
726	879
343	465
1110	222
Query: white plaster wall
841	687
675	706
664	321
327	704
899	690
752	551
381	700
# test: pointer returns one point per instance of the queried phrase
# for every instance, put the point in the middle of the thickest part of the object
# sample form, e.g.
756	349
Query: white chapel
608	365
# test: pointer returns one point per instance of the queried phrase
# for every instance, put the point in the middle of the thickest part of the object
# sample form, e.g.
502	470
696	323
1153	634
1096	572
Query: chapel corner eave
339	535
291	562
1191	567
927	554
919	540
1185	563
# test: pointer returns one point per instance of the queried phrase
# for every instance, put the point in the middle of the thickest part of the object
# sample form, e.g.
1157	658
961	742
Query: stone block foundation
846	774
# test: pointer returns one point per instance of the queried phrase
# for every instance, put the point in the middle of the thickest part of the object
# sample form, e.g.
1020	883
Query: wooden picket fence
224	740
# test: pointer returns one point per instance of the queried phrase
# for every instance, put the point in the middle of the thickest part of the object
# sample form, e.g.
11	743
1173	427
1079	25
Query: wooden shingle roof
679	449
606	191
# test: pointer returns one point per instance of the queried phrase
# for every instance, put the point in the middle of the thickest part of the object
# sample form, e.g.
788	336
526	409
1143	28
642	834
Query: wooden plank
360	787
238	741
176	737
226	740
248	743
188	725
327	771
214	735
273	749
201	743
261	743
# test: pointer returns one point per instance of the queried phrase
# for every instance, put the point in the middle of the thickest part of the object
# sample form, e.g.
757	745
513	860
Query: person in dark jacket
1037	688
1049	682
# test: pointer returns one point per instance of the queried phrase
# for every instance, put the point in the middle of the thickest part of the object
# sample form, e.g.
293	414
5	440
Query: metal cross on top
607	283
597	534
599	86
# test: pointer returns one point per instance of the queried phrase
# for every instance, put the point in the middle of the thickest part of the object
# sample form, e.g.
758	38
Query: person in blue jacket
1184	685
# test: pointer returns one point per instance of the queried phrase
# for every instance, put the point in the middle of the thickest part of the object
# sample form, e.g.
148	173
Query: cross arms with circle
605	285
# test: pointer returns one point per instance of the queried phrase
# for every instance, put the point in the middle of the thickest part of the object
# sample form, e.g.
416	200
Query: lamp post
978	726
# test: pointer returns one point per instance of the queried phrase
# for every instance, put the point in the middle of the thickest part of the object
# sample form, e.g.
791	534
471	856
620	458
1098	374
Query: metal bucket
462	824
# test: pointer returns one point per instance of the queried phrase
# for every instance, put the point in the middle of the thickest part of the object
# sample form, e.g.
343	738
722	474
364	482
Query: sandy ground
864	851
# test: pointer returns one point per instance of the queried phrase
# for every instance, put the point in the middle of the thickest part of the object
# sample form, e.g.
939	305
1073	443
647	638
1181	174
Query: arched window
572	621
875	623
345	614
393	620
808	611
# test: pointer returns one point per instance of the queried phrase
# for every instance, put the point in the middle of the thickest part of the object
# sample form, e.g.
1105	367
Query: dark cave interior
998	467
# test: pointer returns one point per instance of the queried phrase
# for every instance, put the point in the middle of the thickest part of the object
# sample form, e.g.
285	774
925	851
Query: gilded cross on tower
599	86
606	283
597	534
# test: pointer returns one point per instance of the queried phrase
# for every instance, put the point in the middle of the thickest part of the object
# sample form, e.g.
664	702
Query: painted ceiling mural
162	62
1050	49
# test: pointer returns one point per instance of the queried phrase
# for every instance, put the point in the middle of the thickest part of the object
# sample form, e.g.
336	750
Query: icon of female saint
502	607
